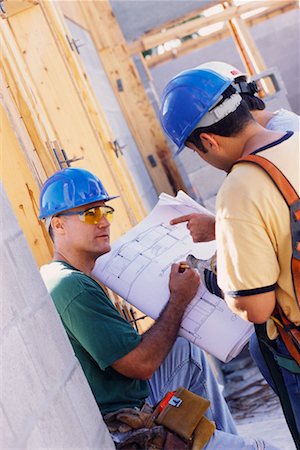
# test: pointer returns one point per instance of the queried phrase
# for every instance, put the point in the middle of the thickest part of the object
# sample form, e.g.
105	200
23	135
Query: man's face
81	237
219	159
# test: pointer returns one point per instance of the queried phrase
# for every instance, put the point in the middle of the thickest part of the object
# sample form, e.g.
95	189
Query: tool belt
177	422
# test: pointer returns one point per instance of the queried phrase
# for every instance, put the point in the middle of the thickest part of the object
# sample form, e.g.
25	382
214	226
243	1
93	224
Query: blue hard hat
186	99
70	188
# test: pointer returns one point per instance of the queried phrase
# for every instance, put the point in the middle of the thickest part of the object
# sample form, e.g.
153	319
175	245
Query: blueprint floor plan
137	269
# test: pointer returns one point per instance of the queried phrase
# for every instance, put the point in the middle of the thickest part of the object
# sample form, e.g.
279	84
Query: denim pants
292	380
186	365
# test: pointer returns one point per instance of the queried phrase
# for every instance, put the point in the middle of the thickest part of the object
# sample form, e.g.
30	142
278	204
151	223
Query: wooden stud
12	7
22	191
130	92
17	80
185	18
205	41
147	41
247	48
120	171
21	133
66	112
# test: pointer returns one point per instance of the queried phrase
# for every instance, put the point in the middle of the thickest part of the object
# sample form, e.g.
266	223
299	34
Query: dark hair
253	102
51	234
230	125
248	91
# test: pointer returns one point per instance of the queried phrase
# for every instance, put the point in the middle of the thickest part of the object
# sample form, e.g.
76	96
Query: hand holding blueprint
138	266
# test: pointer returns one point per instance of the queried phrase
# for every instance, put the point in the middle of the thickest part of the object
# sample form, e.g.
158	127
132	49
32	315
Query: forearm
156	343
158	340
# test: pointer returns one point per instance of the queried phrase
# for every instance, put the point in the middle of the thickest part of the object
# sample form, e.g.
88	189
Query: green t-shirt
98	334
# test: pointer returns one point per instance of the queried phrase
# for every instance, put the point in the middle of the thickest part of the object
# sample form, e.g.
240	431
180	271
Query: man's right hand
157	341
183	285
201	226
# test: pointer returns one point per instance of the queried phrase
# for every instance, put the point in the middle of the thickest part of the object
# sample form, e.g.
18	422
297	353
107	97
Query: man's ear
57	224
209	141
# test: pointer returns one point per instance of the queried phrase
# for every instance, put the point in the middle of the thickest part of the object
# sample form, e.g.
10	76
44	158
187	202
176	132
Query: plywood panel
19	93
94	109
61	100
22	191
21	133
128	88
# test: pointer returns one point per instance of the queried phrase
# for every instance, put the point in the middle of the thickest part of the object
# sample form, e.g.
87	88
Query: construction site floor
254	406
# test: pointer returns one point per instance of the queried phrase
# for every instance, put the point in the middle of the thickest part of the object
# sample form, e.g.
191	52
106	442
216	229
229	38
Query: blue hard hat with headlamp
186	99
69	188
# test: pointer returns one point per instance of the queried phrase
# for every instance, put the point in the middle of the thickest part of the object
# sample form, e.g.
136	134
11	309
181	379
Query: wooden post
42	107
248	50
128	88
67	108
205	41
55	19
22	189
22	94
181	28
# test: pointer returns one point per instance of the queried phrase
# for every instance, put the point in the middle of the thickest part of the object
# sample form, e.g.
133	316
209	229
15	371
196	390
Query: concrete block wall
45	402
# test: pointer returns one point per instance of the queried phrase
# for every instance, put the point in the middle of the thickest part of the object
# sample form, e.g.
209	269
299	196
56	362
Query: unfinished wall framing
48	91
112	49
228	11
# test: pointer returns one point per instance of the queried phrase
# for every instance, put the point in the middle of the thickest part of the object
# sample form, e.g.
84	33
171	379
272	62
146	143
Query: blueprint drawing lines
134	257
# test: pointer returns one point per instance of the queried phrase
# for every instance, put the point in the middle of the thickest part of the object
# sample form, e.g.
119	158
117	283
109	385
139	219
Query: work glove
127	419
145	439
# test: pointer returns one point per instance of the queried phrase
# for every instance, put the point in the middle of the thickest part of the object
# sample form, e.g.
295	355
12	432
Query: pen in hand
182	267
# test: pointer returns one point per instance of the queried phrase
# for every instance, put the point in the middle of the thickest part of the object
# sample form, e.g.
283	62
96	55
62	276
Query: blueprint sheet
138	266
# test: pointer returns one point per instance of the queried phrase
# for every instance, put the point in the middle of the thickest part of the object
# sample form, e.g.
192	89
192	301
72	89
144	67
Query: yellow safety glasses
93	215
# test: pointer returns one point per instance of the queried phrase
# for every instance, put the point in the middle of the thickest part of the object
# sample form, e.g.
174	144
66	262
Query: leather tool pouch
183	413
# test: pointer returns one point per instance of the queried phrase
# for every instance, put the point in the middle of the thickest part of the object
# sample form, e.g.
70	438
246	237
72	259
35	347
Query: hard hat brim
43	217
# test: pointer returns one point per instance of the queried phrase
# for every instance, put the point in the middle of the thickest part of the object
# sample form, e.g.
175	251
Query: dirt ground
254	405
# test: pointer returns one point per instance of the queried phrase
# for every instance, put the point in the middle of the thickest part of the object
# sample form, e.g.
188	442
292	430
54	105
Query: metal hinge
2	10
117	148
120	86
74	43
61	156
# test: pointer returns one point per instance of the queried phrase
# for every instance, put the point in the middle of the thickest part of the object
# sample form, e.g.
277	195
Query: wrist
178	301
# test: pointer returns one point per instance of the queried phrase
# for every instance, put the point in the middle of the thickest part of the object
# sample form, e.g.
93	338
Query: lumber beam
53	15
21	187
72	10
11	7
129	90
16	79
204	41
44	88
174	22
147	42
248	50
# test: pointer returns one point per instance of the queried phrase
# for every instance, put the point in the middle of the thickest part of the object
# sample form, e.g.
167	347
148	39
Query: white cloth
284	120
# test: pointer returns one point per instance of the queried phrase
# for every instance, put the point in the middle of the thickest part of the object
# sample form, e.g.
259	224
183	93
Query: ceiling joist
174	22
204	41
148	41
